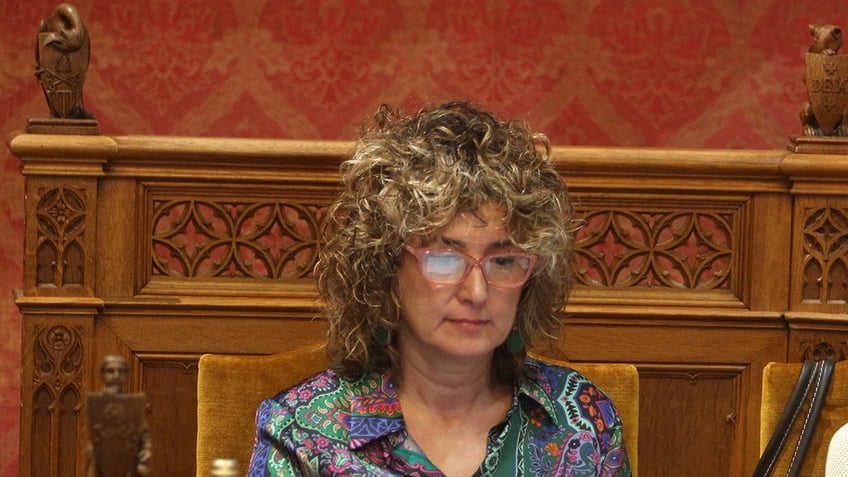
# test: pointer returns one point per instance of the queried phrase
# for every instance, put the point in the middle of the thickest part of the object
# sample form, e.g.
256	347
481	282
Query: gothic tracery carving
209	238
678	249
825	262
58	358
60	257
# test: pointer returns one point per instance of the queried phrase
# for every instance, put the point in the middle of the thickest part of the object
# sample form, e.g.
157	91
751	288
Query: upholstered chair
778	381
230	388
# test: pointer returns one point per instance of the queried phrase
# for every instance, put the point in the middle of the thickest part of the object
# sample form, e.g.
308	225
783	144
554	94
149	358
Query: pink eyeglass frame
472	262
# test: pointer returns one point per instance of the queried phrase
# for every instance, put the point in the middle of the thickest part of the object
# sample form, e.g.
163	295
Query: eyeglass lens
450	267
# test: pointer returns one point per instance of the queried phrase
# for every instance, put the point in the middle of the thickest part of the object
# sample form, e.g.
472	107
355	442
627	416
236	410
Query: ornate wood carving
58	358
60	256
826	77
653	248
203	238
56	395
825	257
62	54
820	346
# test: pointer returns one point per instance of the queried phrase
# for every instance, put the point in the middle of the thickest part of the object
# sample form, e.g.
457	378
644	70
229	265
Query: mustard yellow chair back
230	388
778	382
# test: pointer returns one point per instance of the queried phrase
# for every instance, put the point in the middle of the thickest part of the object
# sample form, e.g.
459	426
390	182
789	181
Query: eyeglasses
448	267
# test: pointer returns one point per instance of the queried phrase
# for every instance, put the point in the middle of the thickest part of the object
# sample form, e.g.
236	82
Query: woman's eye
503	260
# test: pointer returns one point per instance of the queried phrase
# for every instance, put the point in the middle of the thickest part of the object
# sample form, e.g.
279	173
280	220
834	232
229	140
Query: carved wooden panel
61	228
54	382
818	345
685	397
57	392
61	224
237	232
825	265
168	380
820	250
644	247
699	385
202	238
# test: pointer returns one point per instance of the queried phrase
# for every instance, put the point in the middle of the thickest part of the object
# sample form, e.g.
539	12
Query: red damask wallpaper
652	73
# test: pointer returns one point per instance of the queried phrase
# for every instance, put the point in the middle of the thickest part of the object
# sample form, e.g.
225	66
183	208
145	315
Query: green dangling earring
514	341
383	336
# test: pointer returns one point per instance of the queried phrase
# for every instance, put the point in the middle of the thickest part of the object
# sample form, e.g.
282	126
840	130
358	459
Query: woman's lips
469	324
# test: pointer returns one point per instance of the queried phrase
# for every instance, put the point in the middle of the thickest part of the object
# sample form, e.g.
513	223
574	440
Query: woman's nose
474	287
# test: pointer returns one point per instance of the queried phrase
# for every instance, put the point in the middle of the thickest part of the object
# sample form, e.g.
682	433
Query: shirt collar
537	387
375	408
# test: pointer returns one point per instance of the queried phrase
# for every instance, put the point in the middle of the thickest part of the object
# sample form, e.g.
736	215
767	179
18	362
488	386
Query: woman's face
465	320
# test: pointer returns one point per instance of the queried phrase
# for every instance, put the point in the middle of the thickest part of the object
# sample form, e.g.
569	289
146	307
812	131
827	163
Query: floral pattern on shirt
559	425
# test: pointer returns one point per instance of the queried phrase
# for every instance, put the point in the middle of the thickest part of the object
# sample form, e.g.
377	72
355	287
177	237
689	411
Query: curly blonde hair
407	178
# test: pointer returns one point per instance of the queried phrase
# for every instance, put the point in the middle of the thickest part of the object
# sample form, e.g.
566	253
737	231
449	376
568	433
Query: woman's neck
449	407
450	386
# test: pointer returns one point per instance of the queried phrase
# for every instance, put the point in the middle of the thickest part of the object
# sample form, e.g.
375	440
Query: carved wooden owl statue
61	60
827	39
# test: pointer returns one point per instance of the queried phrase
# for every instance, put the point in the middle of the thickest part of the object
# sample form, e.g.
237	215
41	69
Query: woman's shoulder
327	392
562	382
325	380
578	408
325	404
553	371
323	394
326	389
569	390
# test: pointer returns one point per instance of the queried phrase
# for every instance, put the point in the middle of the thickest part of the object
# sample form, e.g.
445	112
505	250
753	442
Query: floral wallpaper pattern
648	73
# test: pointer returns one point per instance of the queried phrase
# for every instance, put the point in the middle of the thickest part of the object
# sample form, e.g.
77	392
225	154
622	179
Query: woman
445	256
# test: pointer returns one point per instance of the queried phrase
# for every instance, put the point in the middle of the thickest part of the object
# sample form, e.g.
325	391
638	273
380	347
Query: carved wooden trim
691	373
820	254
824	267
194	238
197	233
807	343
53	400
57	354
645	247
62	224
185	362
819	348
60	240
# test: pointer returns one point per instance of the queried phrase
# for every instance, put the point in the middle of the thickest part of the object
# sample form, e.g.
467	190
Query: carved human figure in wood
120	438
61	61
114	371
826	76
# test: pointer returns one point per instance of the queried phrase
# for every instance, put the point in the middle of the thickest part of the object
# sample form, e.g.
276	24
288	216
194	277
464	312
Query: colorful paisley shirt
559	424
